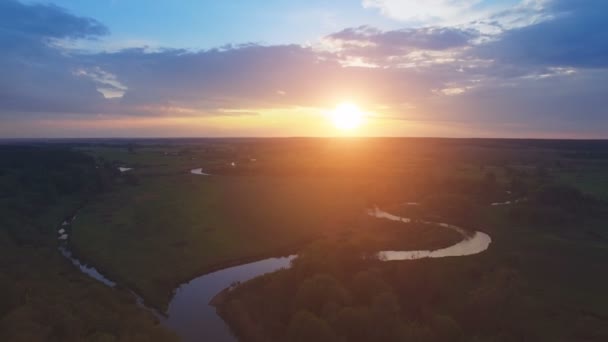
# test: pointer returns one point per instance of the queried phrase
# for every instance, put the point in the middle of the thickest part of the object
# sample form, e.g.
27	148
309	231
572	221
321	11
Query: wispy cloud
487	16
432	12
108	84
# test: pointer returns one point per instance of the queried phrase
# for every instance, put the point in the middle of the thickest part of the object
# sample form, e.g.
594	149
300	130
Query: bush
560	196
306	327
448	205
354	324
366	284
316	292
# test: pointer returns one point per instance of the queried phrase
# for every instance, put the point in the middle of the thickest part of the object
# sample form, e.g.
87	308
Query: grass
591	180
173	226
169	229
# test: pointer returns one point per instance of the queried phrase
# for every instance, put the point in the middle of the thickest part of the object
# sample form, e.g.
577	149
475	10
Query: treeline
332	293
35	179
43	297
338	291
557	205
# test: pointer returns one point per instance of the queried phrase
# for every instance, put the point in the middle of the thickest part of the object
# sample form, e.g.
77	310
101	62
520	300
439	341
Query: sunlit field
157	226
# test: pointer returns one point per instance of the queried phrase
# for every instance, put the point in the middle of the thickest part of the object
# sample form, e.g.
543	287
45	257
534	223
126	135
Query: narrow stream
199	172
515	201
63	232
88	270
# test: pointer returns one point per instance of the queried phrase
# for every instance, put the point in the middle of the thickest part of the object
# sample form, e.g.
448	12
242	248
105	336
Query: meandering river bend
192	317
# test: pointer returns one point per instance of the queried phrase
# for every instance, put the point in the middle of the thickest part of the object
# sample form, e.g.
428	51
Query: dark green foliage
366	284
359	306
319	291
163	226
43	297
306	327
516	291
555	204
354	323
562	197
451	206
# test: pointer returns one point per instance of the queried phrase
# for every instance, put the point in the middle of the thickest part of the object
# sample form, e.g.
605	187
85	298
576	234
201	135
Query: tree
306	327
319	290
366	284
354	324
386	319
131	147
445	328
449	205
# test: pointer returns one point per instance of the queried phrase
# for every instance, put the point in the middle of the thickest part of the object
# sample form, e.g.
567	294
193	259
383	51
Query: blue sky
204	24
486	68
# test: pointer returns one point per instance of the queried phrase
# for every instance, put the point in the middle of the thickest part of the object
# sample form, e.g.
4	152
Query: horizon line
299	137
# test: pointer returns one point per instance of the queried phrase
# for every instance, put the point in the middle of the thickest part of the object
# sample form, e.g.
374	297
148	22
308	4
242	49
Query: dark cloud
218	78
48	21
571	105
253	76
577	35
428	38
36	75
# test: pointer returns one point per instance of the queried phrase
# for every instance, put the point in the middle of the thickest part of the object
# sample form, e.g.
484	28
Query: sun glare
347	116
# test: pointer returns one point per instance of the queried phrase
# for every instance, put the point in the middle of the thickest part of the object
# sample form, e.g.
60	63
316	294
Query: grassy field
291	190
591	179
165	225
169	229
165	231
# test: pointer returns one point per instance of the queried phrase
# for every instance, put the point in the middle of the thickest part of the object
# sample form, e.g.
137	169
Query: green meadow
157	226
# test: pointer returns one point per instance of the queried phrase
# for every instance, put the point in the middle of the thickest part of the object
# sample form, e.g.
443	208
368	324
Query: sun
347	116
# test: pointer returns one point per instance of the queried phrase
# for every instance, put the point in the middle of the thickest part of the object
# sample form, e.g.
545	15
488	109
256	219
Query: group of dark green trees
43	297
336	291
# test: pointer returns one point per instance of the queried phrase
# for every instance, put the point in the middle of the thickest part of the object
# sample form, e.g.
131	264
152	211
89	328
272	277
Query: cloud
248	75
486	16
570	102
46	21
576	36
417	11
108	84
531	73
36	76
440	12
368	46
427	38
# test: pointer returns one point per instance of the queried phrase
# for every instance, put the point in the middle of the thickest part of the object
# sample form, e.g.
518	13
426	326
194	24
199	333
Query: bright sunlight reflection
347	116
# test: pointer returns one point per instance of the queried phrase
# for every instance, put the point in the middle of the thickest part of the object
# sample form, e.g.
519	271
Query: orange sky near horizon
287	122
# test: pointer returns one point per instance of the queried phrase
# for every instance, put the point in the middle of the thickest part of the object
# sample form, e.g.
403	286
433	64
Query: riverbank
247	328
161	304
198	299
510	290
44	296
202	224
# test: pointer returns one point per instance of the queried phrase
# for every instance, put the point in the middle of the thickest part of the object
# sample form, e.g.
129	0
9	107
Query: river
192	317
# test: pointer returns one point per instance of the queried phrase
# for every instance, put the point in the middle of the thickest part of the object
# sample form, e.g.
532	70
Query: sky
160	68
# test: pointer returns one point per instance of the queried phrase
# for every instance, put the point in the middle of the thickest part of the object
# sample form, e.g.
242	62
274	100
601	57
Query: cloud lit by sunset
437	68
